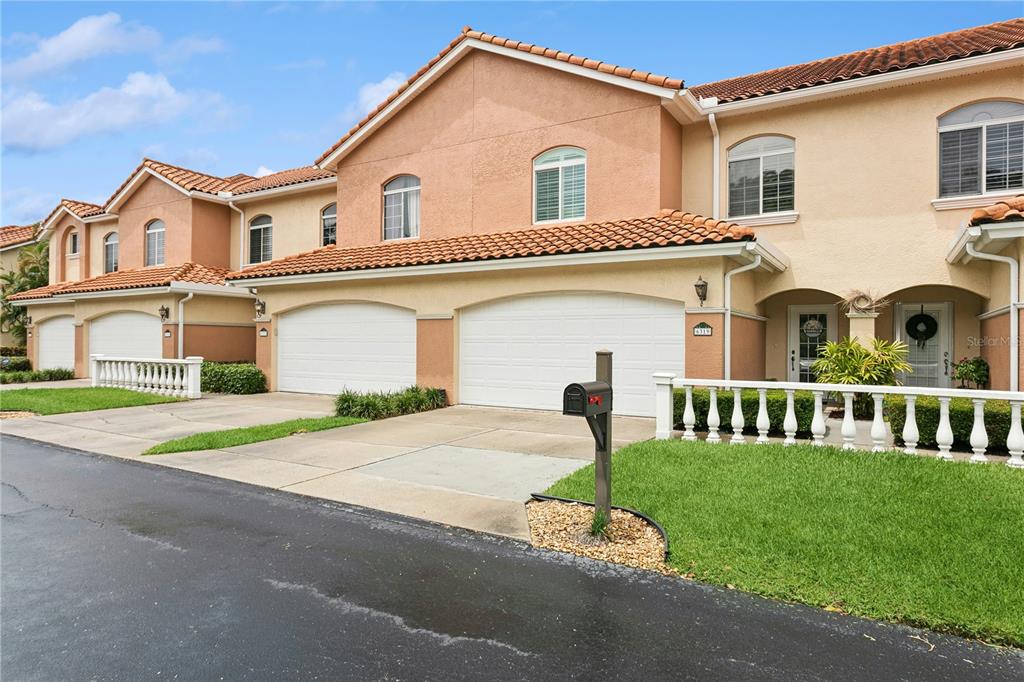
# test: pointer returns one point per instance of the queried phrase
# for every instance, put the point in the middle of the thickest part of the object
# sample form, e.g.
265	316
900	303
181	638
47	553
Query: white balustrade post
737	418
979	436
849	429
193	365
878	424
689	418
94	369
818	421
763	423
1015	438
910	433
713	419
664	408
789	424
944	434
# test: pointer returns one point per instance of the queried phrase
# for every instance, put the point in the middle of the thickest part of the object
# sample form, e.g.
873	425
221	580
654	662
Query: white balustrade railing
178	378
979	439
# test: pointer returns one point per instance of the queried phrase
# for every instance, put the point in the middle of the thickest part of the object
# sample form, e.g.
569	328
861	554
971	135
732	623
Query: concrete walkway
471	467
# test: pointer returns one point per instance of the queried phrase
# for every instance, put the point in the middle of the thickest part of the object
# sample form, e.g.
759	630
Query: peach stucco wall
210	236
472	136
747	341
994	347
223	343
154	199
295	217
705	358
435	354
64	267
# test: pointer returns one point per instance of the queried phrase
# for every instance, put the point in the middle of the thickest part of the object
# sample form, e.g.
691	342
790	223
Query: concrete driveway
471	467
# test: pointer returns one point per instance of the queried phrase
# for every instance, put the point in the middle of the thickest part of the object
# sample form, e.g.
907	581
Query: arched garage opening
126	334
522	351
55	339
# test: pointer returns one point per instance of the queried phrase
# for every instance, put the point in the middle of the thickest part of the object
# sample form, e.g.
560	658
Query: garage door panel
56	339
126	335
522	352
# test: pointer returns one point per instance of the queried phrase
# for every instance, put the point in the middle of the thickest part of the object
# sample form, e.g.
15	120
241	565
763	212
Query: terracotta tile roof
283	178
558	55
136	278
969	42
11	235
1006	210
81	209
667	228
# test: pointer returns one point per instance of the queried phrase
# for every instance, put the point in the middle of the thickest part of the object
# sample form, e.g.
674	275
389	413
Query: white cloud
372	94
185	48
196	157
24	205
263	171
86	38
30	122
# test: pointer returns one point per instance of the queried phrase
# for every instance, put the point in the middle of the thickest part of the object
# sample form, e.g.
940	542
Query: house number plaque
702	329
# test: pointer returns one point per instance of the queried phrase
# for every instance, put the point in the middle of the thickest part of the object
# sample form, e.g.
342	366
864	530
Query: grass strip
85	399
889	536
215	440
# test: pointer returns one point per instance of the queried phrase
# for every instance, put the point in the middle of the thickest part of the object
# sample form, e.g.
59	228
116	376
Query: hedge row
240	378
380	405
803	406
961	419
6	351
37	375
15	363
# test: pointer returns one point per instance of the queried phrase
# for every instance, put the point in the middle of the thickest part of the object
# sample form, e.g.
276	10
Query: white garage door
126	335
521	352
359	346
56	339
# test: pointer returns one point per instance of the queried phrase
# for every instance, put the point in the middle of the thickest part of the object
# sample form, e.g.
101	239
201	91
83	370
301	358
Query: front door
810	326
926	329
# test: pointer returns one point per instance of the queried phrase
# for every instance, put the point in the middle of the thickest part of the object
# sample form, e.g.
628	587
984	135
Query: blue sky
88	89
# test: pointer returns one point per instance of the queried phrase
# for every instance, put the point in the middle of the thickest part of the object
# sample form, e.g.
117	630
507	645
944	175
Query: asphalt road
115	570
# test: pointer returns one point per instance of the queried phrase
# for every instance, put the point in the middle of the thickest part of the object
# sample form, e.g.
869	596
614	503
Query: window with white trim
762	176
402	208
981	149
560	185
329	225
73	244
110	244
155	242
261	237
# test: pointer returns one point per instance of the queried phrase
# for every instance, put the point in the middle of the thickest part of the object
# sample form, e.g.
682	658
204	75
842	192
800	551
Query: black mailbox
587	399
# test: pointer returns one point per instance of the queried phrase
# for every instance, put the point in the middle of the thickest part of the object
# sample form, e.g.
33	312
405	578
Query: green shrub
23	377
241	378
383	404
803	406
848	362
15	363
7	351
961	419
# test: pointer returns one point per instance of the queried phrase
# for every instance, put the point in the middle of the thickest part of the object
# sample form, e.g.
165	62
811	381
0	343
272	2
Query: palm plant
848	362
32	271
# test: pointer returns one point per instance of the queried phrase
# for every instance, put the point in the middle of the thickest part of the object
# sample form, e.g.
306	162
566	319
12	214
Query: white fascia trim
983	236
139	177
41	301
210	289
986	61
435	316
112	293
454	56
286	189
718	310
172	288
743	251
973	201
19	245
47	226
780	218
995	312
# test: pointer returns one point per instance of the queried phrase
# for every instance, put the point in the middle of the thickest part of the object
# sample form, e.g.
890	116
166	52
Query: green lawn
60	400
888	536
213	440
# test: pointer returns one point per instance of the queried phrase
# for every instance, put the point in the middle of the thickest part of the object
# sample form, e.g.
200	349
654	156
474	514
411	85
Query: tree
32	271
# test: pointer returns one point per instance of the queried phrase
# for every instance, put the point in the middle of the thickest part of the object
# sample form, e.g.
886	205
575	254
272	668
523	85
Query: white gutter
716	170
1014	307
181	324
241	234
756	263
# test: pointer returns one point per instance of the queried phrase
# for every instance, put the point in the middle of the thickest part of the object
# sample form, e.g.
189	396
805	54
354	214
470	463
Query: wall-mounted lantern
701	287
28	319
165	313
264	332
261	307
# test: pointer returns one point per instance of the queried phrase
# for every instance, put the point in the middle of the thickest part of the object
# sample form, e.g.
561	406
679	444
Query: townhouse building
512	208
13	238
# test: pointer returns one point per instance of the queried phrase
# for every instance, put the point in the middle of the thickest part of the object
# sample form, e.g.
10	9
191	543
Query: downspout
241	234
181	324
1014	308
716	171
756	263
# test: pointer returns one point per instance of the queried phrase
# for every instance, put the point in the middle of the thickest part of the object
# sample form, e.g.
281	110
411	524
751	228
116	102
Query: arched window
110	253
402	207
981	149
261	237
155	243
560	185
329	225
761	176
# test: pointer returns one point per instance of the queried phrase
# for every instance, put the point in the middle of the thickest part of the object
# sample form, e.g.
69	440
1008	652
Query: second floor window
73	244
329	225
110	253
981	149
261	237
762	176
402	207
560	185
155	243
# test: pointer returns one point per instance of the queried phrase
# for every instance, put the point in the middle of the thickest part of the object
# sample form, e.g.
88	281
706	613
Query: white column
1015	438
979	437
818	422
944	434
663	405
910	433
193	365
689	418
878	424
737	418
713	419
94	369
764	424
789	424
849	430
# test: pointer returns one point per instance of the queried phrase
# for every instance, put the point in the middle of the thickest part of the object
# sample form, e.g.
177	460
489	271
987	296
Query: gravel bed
565	527
12	414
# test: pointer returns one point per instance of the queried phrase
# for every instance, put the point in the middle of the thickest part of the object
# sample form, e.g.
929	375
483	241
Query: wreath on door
922	327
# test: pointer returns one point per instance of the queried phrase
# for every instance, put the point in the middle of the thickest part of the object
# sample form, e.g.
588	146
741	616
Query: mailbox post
593	400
